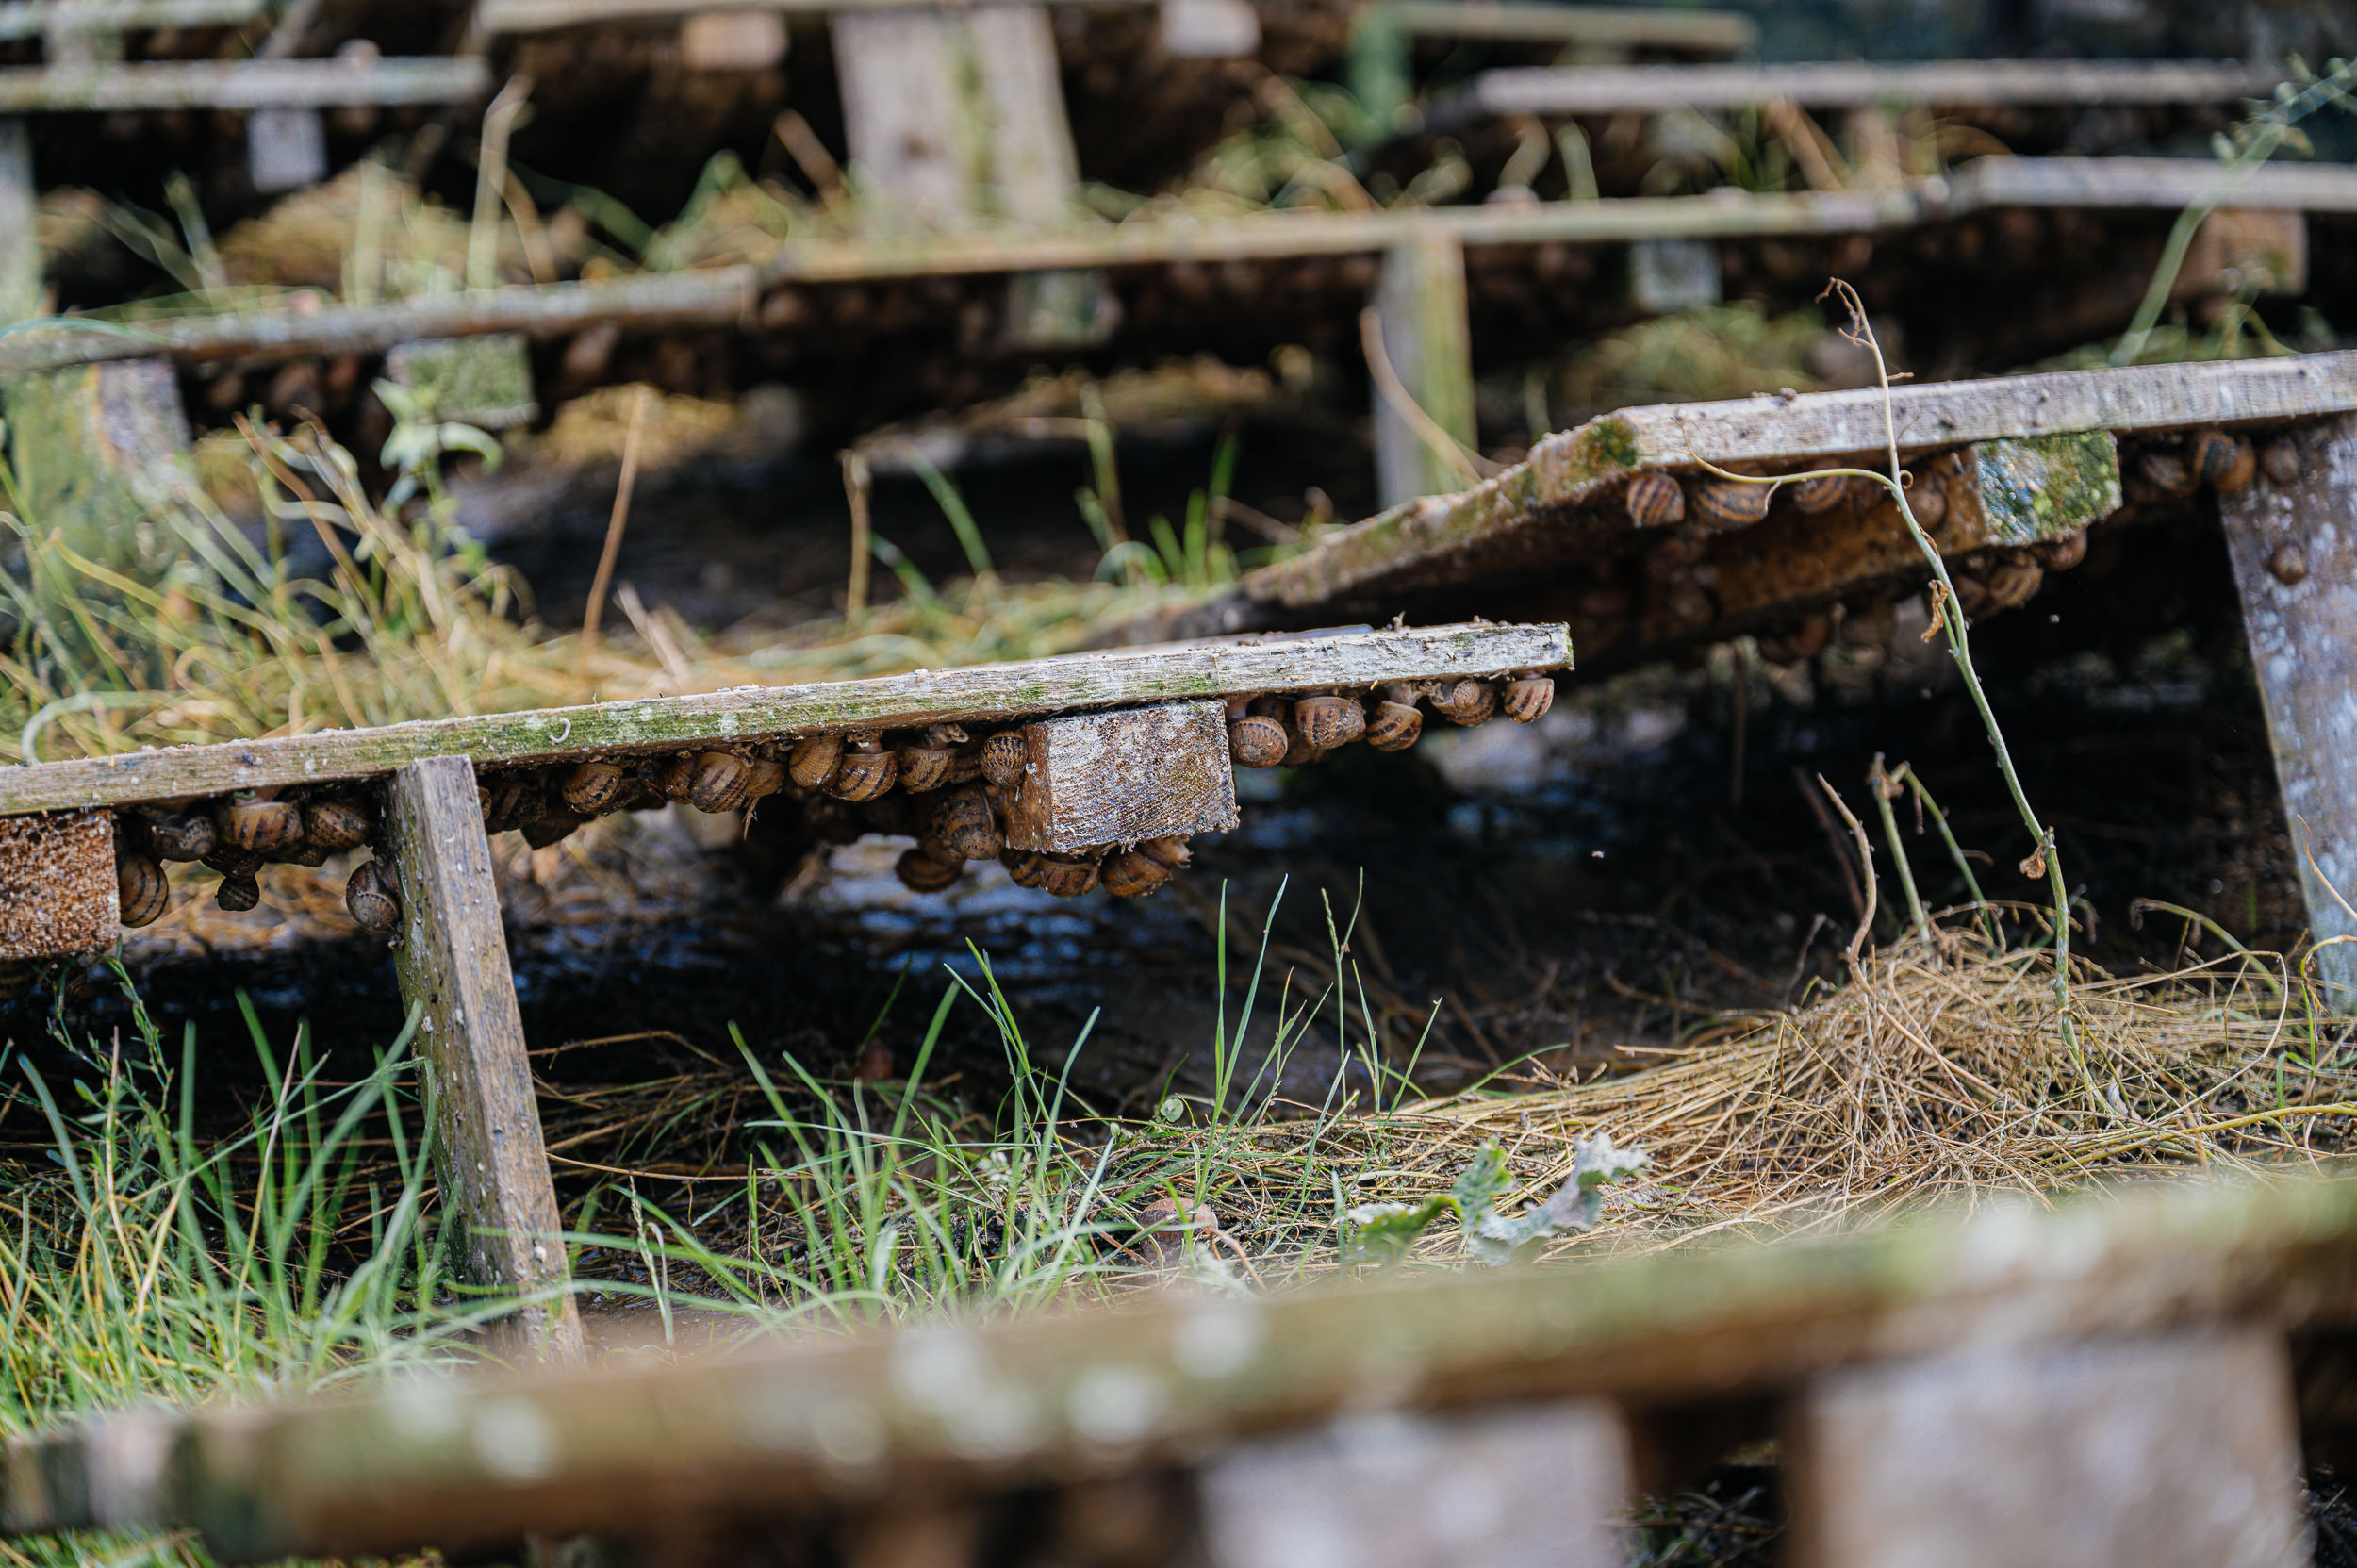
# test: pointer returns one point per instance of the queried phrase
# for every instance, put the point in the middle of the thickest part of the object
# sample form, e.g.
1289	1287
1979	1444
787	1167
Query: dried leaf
2034	867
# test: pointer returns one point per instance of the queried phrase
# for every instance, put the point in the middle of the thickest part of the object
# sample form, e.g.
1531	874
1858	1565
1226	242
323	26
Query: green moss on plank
2041	486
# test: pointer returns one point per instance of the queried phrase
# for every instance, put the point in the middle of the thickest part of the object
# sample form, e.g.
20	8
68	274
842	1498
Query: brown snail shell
507	803
1394	726
2014	581
1527	701
1006	757
919	873
764	777
1726	505
1820	493
2225	463
1298	751
230	861
259	827
811	761
926	767
865	771
1257	740
1170	849
718	782
1131	874
1067	876
140	888
676	777
303	853
551	827
335	826
2064	550
1466	702
962	826
1681	549
2280	460
370	896
2288	564
1326	720
181	835
238	893
1025	866
17	979
593	788
1803	641
2165	471
1654	500
1927	498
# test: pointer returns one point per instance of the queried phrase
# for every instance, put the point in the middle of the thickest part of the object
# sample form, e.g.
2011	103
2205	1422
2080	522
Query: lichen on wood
57	893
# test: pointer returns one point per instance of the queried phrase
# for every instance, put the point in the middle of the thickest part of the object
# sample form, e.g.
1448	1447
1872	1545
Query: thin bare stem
619	518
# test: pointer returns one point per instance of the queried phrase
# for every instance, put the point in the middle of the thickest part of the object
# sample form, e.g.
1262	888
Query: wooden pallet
1117	758
2117	1384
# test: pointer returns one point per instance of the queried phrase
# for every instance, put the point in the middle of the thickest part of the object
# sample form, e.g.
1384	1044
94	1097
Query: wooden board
2295	570
1124	776
1586	26
994	692
99	88
451	957
1420	304
23	19
1601	90
58	892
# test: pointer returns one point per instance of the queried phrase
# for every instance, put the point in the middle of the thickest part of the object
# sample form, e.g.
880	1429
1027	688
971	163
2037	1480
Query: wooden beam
986	692
1426	401
27	18
57	893
451	958
2149	183
256	84
1587	26
1125	776
1603	89
20	294
499	17
2296	569
2168	1451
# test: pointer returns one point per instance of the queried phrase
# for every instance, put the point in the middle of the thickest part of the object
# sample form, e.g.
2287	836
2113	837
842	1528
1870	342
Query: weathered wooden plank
1699	32
254	84
1516	1488
2296	567
57	893
733	39
2170	1451
1427	338
25	19
20	241
2152	183
451	958
946	1408
499	17
98	451
1125	776
1599	89
1005	691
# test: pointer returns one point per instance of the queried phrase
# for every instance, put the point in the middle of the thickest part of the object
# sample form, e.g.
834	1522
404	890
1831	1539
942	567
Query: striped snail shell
2064	550
1528	699
1927	498
303	853
181	835
335	826
593	788
1820	493
1025	866
256	825
1299	752
2014	580
676	777
1397	721
1067	876
962	826
140	887
865	771
1257	739
925	766
919	873
1132	874
17	979
230	861
718	782
1326	720
2279	459
2165	471
810	761
370	896
552	827
1170	849
895	813
1006	757
1726	504
1466	702
1654	500
238	893
2225	463
764	777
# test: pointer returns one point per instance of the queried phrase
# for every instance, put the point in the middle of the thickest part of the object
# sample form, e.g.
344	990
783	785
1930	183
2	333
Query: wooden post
1420	307
20	246
98	451
2172	1451
1124	776
451	957
285	149
2296	569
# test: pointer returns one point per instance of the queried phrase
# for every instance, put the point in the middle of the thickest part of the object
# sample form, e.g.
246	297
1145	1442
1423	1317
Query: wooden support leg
2169	1452
2296	569
285	149
451	957
1672	275
1540	1485
20	245
1123	776
1420	306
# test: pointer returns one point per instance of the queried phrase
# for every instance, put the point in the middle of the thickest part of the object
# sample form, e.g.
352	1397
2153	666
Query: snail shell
1927	498
2064	550
865	771
17	979
1006	757
719	782
2165	471
303	853
2280	458
962	826
1394	726
1466	702
765	778
1132	874
1726	506
1326	720
1527	699
1654	500
1821	494
181	835
1257	740
676	776
593	788
259	827
1025	866
2225	463
2014	581
926	767
238	893
230	861
1299	752
370	896
1803	641
141	890
1171	851
2288	564
810	761
551	827
919	873
507	803
335	825
1067	876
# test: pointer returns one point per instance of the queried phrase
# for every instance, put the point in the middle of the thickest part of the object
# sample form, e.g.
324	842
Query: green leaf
1382	1233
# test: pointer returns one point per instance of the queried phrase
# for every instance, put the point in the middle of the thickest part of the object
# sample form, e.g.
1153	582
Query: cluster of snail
236	835
1274	732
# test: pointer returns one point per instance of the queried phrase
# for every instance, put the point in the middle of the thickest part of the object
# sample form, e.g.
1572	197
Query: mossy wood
982	693
451	958
58	891
478	381
950	1410
104	87
1125	776
99	452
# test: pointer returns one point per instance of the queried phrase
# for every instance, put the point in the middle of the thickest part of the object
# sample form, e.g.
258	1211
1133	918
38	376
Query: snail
2061	552
811	761
1326	720
507	803
2288	564
238	893
180	836
1654	500
2225	463
920	872
675	777
2014	580
833	821
764	777
1527	699
335	825
1803	641
1927	498
17	979
927	765
1005	758
2279	459
141	890
717	781
1820	493
1727	504
1397	721
257	823
370	896
1466	702
962	826
1255	739
551	827
1131	873
865	771
1024	866
2163	471
593	788
1067	876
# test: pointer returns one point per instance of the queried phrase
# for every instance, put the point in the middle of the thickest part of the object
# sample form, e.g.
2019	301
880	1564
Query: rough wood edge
240	84
1652	89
